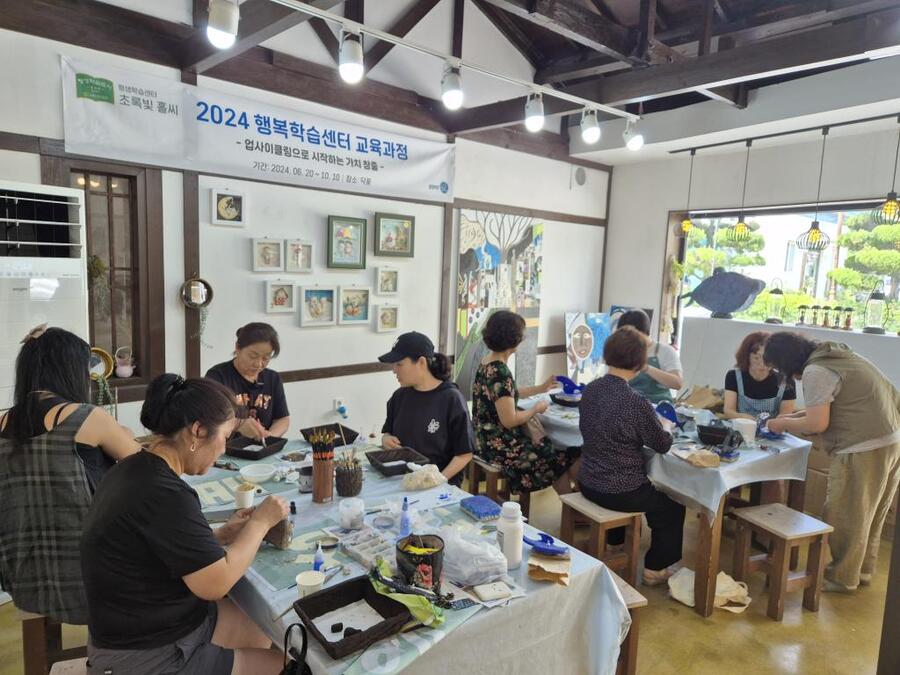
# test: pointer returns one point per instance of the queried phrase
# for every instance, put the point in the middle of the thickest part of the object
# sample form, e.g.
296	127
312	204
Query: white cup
746	428
243	499
309	582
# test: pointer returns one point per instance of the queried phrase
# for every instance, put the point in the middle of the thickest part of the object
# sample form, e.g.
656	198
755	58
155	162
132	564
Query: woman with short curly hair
752	387
501	430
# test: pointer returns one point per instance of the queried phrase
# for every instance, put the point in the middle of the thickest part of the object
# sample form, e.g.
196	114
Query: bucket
420	561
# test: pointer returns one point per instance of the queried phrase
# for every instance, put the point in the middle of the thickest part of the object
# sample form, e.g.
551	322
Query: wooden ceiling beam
326	37
841	43
513	34
704	44
459	14
418	11
576	23
260	21
586	64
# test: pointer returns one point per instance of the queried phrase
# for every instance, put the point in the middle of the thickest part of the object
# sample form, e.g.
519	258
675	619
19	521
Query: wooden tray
235	447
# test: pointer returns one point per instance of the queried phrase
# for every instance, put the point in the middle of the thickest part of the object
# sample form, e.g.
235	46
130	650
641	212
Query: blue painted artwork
725	292
586	333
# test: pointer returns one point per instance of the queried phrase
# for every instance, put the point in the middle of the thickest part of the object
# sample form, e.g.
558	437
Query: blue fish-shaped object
725	292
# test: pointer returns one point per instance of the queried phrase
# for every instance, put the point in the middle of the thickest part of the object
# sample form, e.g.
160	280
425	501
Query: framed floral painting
280	297
318	305
395	235
355	303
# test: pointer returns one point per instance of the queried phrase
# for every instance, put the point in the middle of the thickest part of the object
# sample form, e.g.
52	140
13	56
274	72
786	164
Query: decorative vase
348	481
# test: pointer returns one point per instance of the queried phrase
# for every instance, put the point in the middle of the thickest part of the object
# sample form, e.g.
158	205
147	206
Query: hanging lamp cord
690	182
746	171
896	157
821	167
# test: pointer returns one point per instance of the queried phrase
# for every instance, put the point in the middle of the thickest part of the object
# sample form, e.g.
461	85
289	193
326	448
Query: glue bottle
510	530
404	519
318	558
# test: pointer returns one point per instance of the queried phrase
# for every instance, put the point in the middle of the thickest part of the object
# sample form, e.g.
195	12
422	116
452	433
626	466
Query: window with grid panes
111	260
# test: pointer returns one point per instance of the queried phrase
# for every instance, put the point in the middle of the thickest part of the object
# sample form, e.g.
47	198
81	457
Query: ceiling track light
451	88
350	61
814	240
634	139
222	25
590	127
534	112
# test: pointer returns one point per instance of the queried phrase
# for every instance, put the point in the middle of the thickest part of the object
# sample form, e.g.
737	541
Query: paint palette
367	545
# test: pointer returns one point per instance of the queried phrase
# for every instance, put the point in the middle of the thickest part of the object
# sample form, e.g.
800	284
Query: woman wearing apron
662	373
752	388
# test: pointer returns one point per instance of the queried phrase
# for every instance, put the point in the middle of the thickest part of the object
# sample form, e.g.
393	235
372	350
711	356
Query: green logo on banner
94	88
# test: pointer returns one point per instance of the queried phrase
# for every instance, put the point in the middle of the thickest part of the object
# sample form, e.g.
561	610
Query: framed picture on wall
395	235
387	318
228	208
346	243
280	297
355	303
268	255
387	281
298	255
318	305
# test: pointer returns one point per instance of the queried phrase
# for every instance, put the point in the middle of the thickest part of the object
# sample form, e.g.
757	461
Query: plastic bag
426	477
469	562
731	595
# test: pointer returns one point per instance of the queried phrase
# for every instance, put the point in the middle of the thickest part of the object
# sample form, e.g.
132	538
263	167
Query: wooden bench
628	649
601	521
493	474
72	667
787	530
42	643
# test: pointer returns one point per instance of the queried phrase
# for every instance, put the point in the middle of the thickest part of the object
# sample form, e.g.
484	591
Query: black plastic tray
235	447
348	436
395	614
378	459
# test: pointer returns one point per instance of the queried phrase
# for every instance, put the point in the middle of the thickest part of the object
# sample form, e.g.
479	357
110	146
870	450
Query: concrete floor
841	639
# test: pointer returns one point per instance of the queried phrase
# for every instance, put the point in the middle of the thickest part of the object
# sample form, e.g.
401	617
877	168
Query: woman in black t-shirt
428	413
156	575
255	386
752	388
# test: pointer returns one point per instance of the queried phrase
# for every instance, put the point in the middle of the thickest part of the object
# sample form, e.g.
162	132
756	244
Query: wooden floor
841	639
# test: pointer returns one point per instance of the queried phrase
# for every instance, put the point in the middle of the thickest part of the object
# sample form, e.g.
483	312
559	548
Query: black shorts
194	654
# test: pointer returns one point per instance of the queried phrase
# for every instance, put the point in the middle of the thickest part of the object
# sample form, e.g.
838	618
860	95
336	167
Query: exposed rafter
841	43
326	36
401	28
576	23
459	15
503	23
260	21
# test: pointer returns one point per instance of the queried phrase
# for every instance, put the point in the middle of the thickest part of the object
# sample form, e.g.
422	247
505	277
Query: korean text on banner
120	114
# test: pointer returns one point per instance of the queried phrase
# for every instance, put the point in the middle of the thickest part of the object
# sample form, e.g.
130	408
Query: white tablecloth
576	629
694	487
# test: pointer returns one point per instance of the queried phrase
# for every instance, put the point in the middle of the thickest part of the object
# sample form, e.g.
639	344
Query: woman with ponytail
156	575
427	413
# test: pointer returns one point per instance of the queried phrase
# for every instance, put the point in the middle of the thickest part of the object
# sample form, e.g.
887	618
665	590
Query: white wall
857	166
572	253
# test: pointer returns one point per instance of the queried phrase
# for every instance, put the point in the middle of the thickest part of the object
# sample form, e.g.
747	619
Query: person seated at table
255	386
617	424
54	450
427	413
855	410
752	388
662	372
156	575
528	459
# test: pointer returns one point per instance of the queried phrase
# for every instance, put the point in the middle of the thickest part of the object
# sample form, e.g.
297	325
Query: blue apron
755	406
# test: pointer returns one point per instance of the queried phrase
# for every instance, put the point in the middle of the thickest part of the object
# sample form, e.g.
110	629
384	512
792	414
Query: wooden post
707	562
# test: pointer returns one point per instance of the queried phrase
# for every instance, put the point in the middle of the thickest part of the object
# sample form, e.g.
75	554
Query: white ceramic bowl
258	473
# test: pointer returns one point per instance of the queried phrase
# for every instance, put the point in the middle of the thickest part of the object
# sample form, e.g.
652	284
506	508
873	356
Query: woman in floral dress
502	431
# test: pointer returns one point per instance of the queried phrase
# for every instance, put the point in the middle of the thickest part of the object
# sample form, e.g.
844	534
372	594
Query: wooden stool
72	667
493	474
787	529
601	521
42	643
628	650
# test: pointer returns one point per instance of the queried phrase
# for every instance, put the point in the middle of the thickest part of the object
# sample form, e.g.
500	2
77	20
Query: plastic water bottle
404	519
318	558
510	530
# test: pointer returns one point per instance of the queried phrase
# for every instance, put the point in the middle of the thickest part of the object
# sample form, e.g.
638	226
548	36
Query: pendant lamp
740	231
889	212
686	225
814	240
876	311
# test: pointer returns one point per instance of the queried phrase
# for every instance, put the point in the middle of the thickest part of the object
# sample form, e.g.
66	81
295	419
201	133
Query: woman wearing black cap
427	413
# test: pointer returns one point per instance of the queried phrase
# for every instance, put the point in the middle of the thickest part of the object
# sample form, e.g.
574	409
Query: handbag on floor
535	430
294	661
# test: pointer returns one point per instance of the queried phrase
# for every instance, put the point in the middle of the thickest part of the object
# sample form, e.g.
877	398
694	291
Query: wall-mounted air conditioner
43	270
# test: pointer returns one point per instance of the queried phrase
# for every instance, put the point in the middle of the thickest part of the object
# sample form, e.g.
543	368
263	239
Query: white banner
119	114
